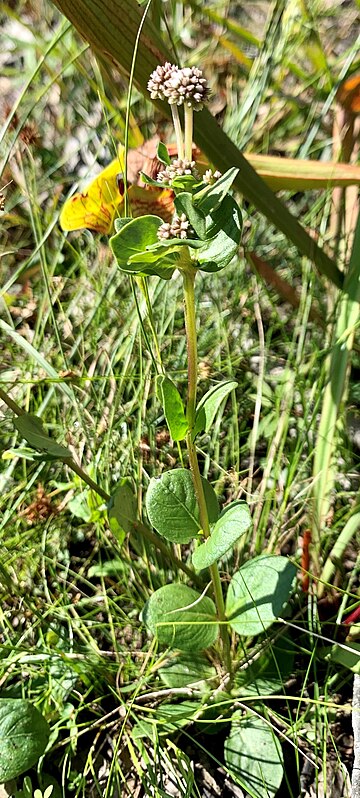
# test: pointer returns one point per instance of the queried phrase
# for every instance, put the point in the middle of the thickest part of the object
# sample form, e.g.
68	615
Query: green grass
71	595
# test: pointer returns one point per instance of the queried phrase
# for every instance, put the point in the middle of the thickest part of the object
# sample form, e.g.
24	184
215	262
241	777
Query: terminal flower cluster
179	86
185	87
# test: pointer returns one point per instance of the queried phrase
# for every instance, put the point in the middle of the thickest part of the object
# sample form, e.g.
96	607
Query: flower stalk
185	87
178	132
189	117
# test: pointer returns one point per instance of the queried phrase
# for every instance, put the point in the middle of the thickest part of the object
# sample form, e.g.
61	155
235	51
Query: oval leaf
133	238
209	405
211	197
122	510
32	429
188	669
121	221
181	618
173	407
258	593
253	755
172	506
224	233
24	734
165	720
162	154
233	522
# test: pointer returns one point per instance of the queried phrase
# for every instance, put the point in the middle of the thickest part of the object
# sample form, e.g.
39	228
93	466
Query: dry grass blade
302	175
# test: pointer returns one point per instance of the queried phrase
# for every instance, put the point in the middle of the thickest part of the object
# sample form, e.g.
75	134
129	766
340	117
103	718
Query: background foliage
74	352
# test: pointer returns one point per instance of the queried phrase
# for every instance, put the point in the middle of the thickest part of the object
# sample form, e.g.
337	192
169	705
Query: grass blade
348	318
302	175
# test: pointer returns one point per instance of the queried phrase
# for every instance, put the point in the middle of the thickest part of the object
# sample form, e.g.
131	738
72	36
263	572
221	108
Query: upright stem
188	273
191	341
178	131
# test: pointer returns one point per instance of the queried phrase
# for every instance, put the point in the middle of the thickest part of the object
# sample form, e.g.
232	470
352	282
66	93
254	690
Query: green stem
189	273
85	477
189	116
178	131
10	403
191	341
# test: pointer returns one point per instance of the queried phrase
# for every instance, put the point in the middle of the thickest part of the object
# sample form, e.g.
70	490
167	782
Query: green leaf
133	238
156	260
253	755
20	451
79	506
268	673
122	510
173	407
209	405
162	154
211	197
184	203
24	735
149	181
155	253
172	506
62	677
258	593
233	522
181	618
177	716
347	655
225	229
115	568
174	244
188	669
121	221
28	454
165	720
32	429
163	267
184	183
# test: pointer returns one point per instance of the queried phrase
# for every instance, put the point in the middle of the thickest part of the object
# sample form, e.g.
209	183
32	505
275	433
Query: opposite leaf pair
214	220
183	619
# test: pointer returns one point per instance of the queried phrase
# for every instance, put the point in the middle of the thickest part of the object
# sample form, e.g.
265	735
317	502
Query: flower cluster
179	86
178	168
179	228
211	177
